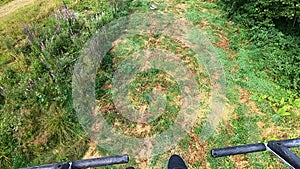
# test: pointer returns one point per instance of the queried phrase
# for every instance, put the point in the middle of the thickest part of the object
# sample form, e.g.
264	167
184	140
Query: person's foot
176	162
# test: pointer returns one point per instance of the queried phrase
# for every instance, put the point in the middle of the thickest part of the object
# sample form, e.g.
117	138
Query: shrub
263	11
278	55
273	27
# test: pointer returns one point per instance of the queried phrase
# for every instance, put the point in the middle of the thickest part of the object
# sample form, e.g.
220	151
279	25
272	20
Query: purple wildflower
30	85
29	32
64	10
42	46
65	14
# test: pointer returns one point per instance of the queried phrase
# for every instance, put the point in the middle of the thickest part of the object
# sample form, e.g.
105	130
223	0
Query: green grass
4	2
5	59
242	120
11	28
144	83
257	109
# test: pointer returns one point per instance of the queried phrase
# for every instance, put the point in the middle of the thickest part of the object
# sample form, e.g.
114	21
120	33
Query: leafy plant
263	12
275	51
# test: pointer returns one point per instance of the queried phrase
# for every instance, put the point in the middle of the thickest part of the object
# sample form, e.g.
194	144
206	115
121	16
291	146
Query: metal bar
87	163
97	162
290	143
62	165
284	153
243	149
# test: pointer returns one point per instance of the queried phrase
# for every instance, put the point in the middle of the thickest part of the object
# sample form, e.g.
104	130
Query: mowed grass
250	117
12	29
251	111
144	83
3	2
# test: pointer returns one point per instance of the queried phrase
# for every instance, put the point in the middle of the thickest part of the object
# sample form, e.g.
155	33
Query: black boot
176	162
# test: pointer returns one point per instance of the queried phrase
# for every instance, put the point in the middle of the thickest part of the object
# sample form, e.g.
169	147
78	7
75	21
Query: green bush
278	55
265	12
273	27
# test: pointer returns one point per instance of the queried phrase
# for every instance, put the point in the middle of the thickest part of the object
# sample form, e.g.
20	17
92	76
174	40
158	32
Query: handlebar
279	148
81	164
250	148
97	162
63	165
243	149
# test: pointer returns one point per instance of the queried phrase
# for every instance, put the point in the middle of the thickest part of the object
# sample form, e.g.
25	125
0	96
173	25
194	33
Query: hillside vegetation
259	49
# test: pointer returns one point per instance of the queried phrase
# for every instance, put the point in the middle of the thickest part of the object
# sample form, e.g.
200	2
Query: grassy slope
11	30
250	118
12	24
4	2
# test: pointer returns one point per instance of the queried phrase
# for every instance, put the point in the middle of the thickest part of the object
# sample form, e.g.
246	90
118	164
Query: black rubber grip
243	149
290	143
62	165
82	164
97	162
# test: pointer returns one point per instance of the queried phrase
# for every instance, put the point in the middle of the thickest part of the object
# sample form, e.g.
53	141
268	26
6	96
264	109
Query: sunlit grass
12	25
4	2
253	100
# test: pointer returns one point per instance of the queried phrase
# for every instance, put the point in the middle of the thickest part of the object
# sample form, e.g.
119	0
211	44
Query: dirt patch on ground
197	152
245	99
92	152
240	161
13	6
223	41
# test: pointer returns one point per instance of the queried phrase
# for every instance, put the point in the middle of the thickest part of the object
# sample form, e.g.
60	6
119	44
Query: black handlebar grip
62	165
97	162
290	143
243	149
